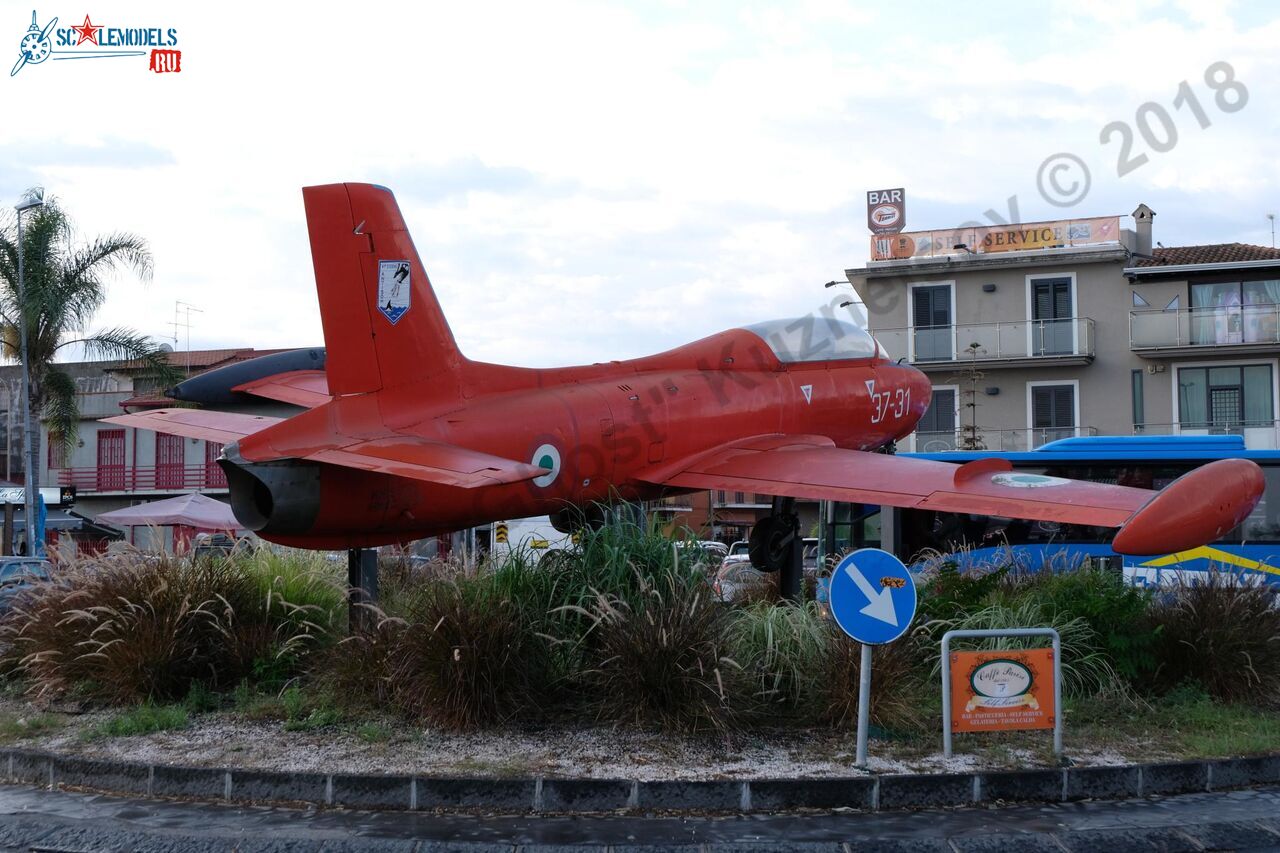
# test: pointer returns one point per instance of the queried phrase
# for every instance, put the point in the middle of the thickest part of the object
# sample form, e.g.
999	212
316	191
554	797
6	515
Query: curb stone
587	796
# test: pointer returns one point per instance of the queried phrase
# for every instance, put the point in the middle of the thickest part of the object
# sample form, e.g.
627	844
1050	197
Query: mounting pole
362	586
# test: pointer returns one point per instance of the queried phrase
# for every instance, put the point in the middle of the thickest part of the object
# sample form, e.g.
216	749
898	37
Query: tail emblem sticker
393	289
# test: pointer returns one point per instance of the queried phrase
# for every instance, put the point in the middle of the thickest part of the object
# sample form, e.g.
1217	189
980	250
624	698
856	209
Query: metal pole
864	705
28	493
946	695
1057	694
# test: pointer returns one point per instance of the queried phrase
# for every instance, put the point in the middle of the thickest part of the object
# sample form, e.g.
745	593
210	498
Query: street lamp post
33	199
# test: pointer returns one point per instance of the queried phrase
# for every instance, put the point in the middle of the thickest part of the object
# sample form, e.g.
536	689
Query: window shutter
1064	413
923	307
1053	407
1062	299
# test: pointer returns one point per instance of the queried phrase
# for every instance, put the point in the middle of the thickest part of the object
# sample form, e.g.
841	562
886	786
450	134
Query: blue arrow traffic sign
873	597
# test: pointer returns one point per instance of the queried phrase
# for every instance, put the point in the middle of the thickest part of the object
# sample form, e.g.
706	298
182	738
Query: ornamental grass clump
898	689
132	627
1087	669
462	651
470	657
1220	629
662	659
783	652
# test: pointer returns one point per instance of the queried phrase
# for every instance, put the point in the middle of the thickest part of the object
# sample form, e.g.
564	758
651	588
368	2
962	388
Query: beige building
1039	331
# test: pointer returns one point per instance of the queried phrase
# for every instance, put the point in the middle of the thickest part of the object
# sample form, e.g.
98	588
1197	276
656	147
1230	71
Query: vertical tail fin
383	326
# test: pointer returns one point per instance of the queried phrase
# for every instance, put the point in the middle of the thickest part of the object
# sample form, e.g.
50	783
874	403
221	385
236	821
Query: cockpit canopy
812	338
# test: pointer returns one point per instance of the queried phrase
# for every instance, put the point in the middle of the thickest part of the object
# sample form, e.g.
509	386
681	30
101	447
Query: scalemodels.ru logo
95	41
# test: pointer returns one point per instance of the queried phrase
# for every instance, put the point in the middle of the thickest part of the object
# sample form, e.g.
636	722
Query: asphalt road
40	821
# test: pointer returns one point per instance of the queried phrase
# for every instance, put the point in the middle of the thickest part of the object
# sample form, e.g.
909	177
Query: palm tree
65	283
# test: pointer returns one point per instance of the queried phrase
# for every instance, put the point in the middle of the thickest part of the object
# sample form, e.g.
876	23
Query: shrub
1115	610
1223	631
945	591
662	660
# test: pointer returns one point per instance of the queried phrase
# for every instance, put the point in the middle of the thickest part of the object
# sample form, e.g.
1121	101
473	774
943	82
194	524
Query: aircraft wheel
770	543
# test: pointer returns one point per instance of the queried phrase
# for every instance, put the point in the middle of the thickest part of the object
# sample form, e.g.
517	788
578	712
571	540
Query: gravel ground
226	739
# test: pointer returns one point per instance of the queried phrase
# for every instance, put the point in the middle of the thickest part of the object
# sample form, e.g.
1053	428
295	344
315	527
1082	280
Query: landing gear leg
776	546
362	584
791	574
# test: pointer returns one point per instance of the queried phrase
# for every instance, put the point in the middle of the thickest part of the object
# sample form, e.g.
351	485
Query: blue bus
1149	462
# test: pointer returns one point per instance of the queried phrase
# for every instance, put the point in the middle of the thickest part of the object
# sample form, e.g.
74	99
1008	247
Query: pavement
36	820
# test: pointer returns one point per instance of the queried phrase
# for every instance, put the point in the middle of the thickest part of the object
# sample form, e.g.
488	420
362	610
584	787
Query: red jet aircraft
404	437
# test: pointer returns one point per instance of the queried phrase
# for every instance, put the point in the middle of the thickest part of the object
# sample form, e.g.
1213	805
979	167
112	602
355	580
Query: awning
192	510
69	522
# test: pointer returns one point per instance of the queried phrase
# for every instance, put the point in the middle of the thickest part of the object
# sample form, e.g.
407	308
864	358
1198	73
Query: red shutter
110	460
214	478
169	461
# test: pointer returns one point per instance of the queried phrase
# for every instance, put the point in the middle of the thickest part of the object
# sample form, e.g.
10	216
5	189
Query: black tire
770	543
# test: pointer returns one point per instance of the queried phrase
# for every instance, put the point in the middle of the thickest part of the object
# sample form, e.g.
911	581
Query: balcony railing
994	439
149	478
741	499
1009	344
1258	435
675	504
1241	327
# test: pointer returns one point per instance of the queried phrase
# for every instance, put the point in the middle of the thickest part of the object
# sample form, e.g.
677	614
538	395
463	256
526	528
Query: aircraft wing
307	388
1196	509
222	427
431	461
398	455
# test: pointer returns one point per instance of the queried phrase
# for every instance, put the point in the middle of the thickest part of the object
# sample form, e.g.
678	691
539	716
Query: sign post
873	600
1003	689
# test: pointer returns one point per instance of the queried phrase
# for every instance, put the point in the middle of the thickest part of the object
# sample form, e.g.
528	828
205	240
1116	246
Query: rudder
383	325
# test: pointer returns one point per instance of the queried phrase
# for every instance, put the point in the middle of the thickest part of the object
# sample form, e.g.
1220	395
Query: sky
590	181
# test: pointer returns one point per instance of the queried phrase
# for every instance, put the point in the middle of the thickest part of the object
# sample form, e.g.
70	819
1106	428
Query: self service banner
1002	690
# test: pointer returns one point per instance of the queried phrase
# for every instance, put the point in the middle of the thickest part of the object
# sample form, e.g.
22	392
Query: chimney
1142	217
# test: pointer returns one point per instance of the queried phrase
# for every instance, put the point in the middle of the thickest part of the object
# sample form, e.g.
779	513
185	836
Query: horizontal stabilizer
306	388
222	427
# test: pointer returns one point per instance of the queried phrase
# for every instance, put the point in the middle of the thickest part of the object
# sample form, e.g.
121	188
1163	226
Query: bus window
1263	524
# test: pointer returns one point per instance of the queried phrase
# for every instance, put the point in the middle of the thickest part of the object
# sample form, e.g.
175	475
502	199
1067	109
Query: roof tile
1213	253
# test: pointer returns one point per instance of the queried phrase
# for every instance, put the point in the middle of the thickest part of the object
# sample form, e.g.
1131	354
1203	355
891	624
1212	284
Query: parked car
738	580
708	554
19	573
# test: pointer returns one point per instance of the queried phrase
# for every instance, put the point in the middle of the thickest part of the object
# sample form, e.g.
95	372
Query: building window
932	334
110	460
1233	312
169	461
1139	415
936	429
1052	320
56	452
1225	399
1053	413
1138	301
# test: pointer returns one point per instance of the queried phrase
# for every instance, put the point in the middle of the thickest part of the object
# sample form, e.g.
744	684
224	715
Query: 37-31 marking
894	401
